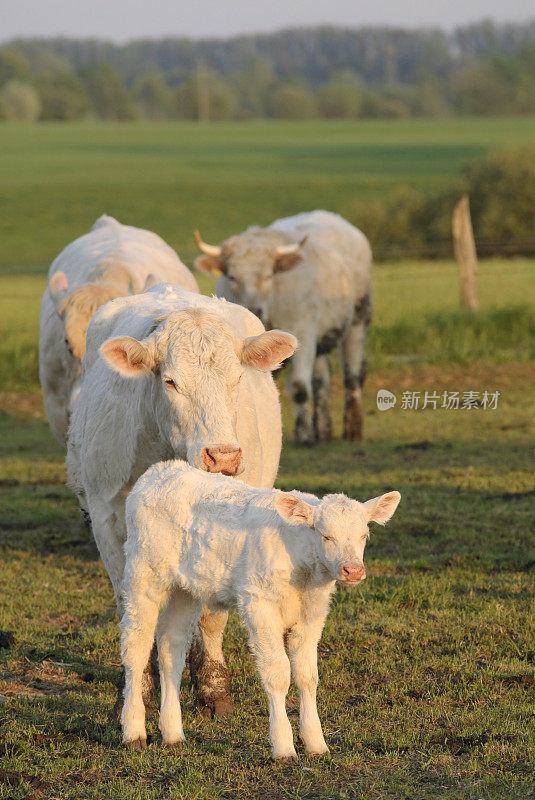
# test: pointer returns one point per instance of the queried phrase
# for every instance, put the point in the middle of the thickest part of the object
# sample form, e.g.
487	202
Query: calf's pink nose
353	573
222	459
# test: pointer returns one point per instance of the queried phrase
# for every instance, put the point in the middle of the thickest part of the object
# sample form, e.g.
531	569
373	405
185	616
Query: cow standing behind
112	260
172	374
309	274
195	539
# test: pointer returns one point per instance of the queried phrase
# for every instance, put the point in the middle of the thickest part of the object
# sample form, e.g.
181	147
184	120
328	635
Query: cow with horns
311	275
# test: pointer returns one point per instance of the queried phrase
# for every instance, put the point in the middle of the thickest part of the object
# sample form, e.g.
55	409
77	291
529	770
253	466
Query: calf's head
195	364
341	527
249	262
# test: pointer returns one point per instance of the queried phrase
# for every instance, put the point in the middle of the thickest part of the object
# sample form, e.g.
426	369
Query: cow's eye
69	347
170	382
327	538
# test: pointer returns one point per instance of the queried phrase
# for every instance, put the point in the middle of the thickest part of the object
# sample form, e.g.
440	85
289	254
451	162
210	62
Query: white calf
195	539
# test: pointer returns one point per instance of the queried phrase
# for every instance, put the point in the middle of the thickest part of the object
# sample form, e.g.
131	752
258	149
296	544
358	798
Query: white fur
110	261
121	425
316	296
195	538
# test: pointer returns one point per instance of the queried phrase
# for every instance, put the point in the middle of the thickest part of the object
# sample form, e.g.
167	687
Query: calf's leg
175	629
109	533
303	650
138	624
354	367
209	672
267	643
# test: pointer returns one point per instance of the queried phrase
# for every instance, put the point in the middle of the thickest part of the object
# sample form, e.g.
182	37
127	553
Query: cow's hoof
222	707
178	745
137	744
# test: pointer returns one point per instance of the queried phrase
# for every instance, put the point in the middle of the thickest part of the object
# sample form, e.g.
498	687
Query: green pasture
427	677
55	179
417	318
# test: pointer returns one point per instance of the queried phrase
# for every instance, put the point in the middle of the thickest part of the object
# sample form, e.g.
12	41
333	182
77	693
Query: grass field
427	676
56	179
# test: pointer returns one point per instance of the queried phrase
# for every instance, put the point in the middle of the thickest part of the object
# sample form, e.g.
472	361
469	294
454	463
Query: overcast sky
122	20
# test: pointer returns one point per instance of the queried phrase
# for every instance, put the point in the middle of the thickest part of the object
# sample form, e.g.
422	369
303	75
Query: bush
292	100
502	200
19	102
340	97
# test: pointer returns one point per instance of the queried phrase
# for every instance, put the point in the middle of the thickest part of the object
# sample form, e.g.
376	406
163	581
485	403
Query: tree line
325	72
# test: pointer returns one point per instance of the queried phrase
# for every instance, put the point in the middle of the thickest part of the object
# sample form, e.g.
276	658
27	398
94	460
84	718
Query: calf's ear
294	510
267	350
380	509
150	280
128	356
58	288
210	266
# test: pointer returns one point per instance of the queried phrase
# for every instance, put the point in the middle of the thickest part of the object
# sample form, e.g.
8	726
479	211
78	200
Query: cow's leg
110	533
209	672
138	624
354	367
300	387
266	638
302	644
321	386
175	629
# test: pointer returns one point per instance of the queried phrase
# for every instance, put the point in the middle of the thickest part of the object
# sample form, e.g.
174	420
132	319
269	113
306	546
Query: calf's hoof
137	744
177	745
286	757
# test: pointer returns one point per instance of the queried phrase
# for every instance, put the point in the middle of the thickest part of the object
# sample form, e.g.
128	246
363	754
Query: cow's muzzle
226	460
352	573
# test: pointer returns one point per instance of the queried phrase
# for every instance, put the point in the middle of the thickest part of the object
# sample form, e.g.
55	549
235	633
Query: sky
123	20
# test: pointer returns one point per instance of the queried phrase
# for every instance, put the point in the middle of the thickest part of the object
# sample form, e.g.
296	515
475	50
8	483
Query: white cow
172	374
112	260
194	538
309	274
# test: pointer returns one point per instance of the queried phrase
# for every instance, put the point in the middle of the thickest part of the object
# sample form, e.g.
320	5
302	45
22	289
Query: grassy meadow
56	179
427	676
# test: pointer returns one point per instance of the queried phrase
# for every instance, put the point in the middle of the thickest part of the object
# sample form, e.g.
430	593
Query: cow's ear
267	350
210	266
285	263
380	509
294	510
58	288
129	357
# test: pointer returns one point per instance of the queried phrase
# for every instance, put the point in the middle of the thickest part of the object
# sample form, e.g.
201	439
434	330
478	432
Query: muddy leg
321	386
209	672
354	368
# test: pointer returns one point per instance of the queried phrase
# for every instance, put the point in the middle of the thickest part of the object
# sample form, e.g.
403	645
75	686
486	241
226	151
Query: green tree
19	102
108	96
340	97
63	97
253	83
206	96
13	65
153	96
292	100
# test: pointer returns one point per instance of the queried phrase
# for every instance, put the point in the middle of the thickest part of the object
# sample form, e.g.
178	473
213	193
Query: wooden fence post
464	248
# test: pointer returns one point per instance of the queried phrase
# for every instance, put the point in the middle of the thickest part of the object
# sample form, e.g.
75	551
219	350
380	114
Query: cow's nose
222	459
353	573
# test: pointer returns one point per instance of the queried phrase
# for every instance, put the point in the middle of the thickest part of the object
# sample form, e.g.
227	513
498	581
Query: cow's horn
287	249
207	249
